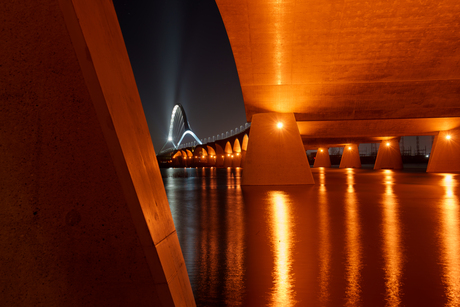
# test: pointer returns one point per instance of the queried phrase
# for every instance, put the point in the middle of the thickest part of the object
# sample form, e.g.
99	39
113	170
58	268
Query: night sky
180	53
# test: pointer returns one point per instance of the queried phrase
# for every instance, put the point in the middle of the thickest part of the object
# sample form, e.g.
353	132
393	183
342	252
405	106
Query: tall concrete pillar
275	154
85	219
350	157
445	153
389	155
322	158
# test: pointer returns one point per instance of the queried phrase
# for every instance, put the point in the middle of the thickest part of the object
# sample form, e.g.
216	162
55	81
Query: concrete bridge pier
389	155
350	157
322	158
275	153
445	153
85	218
236	160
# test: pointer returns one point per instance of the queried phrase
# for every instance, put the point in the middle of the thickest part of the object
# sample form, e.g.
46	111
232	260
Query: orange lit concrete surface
351	72
85	219
275	154
322	158
350	157
389	155
445	153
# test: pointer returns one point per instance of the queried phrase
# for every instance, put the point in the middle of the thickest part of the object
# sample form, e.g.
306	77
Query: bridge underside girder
351	72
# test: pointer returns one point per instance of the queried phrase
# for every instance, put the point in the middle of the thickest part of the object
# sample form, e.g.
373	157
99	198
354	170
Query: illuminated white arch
179	127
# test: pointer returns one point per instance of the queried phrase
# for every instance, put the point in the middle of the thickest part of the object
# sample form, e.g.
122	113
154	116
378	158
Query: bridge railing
220	136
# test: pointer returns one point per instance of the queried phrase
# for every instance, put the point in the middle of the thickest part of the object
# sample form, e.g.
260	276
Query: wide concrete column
350	157
389	155
85	218
322	158
275	156
445	153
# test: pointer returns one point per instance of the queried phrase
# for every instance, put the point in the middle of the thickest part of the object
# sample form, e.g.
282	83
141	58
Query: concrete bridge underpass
341	76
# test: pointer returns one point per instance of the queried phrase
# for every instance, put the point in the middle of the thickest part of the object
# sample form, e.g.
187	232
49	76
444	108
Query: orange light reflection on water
324	240
234	260
450	238
392	251
352	243
283	293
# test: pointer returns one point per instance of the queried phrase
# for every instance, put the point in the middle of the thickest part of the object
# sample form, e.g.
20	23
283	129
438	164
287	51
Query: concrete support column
85	218
322	158
228	155
389	155
350	157
445	153
275	154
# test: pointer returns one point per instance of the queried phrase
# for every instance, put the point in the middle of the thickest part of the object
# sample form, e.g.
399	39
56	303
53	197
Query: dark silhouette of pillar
85	219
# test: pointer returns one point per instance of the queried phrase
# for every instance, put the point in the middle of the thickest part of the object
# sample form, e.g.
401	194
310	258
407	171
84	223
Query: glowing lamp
238	154
388	143
448	137
203	157
232	156
349	148
321	150
170	139
279	125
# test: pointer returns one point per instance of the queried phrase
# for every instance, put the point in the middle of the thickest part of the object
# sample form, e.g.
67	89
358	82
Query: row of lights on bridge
388	143
211	156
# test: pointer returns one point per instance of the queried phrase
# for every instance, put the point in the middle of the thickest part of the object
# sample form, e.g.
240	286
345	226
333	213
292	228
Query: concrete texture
275	156
322	158
350	157
354	71
85	220
445	154
389	155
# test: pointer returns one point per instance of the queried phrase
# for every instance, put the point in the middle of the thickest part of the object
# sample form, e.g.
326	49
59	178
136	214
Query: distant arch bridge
224	150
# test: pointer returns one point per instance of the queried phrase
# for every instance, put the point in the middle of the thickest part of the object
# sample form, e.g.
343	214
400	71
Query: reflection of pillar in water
324	240
283	293
353	244
449	233
234	281
392	252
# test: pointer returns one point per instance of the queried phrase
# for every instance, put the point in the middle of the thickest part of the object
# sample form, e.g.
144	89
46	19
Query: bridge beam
445	153
389	155
350	157
322	158
275	156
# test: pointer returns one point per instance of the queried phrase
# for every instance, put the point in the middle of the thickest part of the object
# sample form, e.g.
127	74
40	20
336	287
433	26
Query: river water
358	237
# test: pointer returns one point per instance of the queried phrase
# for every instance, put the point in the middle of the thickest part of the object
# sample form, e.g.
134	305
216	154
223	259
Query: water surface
355	238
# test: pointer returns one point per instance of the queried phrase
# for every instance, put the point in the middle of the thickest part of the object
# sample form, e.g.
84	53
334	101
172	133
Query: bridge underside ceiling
340	132
348	60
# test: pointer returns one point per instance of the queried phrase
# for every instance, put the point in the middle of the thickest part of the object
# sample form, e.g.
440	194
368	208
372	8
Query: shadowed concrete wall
85	219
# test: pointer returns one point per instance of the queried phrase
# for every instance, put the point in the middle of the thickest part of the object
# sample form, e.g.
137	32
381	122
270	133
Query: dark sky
180	53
